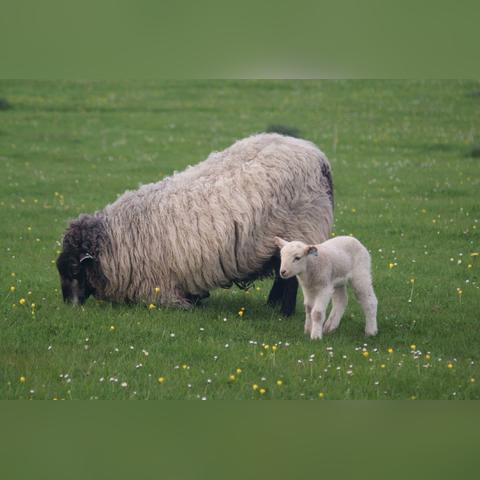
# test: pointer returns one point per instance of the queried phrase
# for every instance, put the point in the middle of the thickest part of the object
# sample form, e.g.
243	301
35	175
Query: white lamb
323	272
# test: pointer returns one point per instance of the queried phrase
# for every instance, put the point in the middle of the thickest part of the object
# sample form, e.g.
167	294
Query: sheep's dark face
78	265
73	277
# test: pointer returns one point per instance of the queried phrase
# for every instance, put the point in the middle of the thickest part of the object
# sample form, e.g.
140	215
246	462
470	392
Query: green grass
405	185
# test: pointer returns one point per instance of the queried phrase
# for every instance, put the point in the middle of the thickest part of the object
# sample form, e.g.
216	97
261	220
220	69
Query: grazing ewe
209	226
323	272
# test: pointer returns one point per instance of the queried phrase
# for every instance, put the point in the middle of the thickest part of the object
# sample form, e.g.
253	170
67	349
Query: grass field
405	184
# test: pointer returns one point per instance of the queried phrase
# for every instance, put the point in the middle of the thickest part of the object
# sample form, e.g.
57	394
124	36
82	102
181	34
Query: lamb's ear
280	242
311	250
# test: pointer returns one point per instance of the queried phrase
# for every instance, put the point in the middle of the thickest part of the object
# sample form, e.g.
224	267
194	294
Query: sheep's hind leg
289	298
276	293
368	300
283	292
339	304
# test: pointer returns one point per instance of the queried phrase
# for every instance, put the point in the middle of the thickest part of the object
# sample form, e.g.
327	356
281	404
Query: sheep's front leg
318	313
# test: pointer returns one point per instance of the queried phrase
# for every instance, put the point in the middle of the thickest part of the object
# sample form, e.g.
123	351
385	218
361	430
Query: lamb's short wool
323	272
171	242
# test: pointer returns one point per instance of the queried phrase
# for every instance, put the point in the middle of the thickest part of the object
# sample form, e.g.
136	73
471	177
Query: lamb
171	242
323	272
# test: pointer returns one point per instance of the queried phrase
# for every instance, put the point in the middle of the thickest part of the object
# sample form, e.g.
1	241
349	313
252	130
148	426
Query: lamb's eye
297	259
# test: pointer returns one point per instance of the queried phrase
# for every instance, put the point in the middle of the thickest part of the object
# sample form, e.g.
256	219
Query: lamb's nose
283	273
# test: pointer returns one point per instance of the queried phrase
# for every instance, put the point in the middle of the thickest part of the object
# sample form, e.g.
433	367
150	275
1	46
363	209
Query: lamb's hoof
371	333
316	336
329	328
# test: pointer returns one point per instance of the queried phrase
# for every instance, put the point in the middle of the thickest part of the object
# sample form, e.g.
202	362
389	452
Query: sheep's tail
283	130
327	173
295	132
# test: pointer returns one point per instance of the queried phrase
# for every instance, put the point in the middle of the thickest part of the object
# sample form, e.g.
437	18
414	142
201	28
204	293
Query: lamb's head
77	264
293	257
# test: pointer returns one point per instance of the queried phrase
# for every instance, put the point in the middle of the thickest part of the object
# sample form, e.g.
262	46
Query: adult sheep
209	226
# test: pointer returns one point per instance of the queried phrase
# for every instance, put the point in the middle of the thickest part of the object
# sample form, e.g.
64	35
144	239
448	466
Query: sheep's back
214	223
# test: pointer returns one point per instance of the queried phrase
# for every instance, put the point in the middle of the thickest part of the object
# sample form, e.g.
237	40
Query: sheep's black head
77	264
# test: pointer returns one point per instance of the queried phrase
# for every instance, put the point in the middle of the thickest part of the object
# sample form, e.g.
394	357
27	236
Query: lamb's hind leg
366	296
339	304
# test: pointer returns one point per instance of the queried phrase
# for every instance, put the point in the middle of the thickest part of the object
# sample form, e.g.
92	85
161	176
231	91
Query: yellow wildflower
279	383
365	354
321	395
161	379
238	370
382	365
152	306
22	379
22	301
157	289
112	328
390	350
274	348
255	386
413	346
231	377
263	391
12	288
449	365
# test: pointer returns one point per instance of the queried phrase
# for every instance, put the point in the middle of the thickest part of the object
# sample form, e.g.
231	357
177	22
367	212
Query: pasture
407	184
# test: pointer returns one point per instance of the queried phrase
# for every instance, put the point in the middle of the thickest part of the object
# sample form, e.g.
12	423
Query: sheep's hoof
371	333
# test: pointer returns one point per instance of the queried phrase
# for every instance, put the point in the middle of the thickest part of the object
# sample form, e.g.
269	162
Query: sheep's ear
280	242
311	250
85	257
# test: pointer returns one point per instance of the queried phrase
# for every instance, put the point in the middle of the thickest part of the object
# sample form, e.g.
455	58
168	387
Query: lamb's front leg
318	313
339	304
308	319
